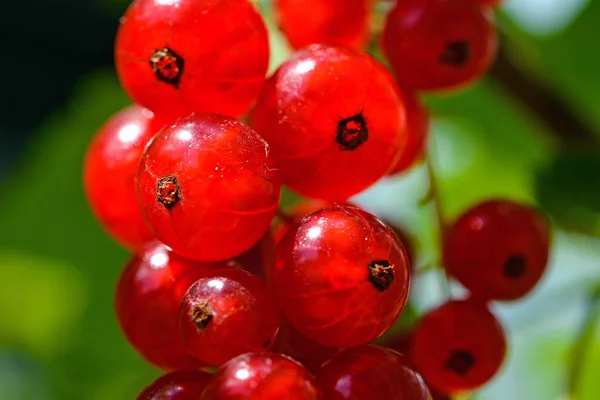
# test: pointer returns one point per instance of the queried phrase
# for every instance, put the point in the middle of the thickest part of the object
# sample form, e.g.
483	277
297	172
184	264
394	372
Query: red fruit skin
260	258
178	385
297	212
223	44
370	372
243	316
110	167
228	187
465	328
482	243
261	376
147	300
491	3
439	44
322	276
330	22
302	108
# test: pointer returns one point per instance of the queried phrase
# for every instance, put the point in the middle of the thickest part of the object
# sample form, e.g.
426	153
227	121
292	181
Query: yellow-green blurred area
59	338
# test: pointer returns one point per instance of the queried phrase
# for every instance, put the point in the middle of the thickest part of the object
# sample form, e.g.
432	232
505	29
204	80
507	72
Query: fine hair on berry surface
341	276
207	187
177	385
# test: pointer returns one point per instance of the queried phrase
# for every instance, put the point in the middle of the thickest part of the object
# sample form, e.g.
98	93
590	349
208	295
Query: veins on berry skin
460	361
352	132
456	53
167	66
515	267
381	274
201	315
168	192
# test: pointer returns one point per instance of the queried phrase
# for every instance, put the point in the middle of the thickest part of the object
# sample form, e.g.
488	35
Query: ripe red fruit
439	44
297	212
261	257
228	313
147	300
498	249
370	372
207	187
261	376
341	276
334	120
179	385
331	22
181	56
458	346
110	167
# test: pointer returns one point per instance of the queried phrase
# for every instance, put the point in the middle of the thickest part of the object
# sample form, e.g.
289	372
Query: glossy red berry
229	313
181	56
439	44
110	167
297	212
341	276
330	22
370	372
417	129
334	120
207	187
179	385
261	257
261	376
147	301
458	346
498	249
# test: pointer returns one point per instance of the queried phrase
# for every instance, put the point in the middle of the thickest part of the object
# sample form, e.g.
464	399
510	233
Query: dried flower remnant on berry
456	53
167	66
381	274
168	192
201	315
515	267
461	362
352	132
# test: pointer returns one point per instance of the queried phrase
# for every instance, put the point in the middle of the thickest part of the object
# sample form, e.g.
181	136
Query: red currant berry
261	376
370	372
439	44
182	56
331	22
458	346
260	258
334	119
341	276
417	127
229	313
147	301
110	167
207	187
498	249
179	385
297	212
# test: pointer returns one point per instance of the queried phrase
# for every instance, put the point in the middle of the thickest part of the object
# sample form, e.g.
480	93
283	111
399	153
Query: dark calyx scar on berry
201	315
460	361
456	53
381	274
515	267
168	192
352	132
167	66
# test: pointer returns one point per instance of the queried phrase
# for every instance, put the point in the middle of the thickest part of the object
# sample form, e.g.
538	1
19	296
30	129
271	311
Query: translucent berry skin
297	212
109	174
181	56
370	372
498	249
261	376
229	313
458	346
334	120
341	276
148	295
207	187
330	22
178	385
439	44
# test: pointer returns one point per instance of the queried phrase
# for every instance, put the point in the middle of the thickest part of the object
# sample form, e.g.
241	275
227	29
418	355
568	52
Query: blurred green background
529	131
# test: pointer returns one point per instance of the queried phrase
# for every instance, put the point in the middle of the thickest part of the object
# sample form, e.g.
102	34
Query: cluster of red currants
288	310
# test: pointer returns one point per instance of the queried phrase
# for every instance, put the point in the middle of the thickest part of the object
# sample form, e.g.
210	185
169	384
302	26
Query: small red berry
179	385
110	167
260	258
330	22
181	56
368	373
334	120
341	276
297	212
261	376
147	301
228	313
458	346
439	44
207	187
498	249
